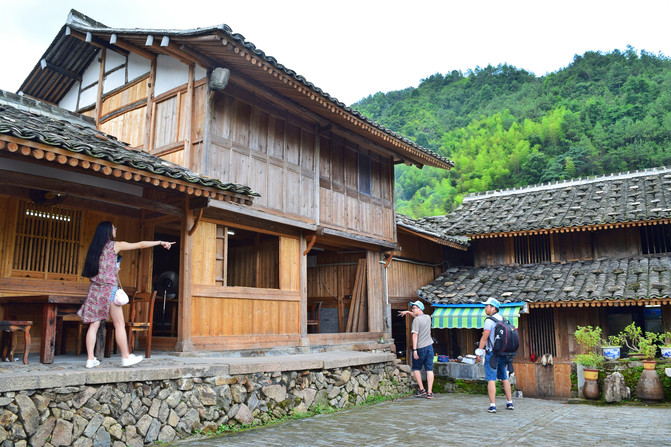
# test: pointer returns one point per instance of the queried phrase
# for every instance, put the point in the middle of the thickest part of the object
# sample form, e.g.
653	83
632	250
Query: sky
355	48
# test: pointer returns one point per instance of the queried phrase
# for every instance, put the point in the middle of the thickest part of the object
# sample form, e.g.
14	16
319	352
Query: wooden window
47	242
247	258
655	239
542	332
532	249
364	174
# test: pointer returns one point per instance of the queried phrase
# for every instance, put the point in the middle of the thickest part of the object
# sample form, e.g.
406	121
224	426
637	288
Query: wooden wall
271	151
243	317
494	251
617	243
341	204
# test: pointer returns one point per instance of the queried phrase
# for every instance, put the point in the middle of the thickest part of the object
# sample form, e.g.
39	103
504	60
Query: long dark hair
101	237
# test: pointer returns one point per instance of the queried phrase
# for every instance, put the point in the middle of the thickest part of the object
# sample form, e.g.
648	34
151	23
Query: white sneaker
131	360
92	363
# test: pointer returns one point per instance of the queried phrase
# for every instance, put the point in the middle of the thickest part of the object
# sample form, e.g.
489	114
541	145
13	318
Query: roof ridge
564	183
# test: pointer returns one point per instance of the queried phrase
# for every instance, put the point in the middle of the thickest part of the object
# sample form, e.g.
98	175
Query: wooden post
303	281
375	292
150	107
188	132
101	80
184	341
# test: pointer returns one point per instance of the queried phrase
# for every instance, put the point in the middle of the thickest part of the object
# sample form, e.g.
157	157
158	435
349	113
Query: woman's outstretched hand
166	245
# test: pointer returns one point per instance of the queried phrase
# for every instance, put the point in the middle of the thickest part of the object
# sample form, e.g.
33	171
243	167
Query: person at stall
500	368
422	347
102	268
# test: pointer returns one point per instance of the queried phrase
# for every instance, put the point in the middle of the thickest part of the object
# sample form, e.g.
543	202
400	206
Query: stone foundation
136	413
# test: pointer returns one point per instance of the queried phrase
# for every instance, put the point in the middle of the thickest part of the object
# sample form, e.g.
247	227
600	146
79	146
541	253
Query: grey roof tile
638	278
415	225
616	198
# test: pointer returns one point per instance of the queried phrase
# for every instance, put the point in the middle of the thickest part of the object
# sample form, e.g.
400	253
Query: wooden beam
88	192
96	42
47	65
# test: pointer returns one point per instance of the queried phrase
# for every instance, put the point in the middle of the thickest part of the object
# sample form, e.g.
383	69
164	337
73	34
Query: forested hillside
505	127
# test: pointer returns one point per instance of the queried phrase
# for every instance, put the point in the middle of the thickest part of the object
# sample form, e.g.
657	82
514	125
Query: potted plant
665	346
649	386
647	348
630	337
589	338
611	347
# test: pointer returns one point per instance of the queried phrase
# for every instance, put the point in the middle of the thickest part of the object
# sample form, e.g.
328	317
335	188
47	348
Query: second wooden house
592	251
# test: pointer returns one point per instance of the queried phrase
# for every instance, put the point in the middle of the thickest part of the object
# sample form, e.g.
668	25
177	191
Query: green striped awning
471	316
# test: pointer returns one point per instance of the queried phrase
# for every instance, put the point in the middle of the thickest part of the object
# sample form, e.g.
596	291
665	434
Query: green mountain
504	127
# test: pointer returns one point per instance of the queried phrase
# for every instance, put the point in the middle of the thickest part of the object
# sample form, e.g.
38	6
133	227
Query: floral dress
102	288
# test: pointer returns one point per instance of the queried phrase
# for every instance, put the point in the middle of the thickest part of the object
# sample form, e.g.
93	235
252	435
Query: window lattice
655	239
542	332
532	249
47	242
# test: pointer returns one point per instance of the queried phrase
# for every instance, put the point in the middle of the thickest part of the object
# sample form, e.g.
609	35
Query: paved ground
457	419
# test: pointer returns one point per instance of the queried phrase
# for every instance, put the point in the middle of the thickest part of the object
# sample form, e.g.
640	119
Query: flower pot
666	352
649	365
611	352
591	374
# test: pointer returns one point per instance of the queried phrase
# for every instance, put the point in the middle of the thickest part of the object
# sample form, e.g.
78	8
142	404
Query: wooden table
50	306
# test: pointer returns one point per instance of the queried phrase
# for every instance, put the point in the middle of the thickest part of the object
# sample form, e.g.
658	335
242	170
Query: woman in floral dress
102	268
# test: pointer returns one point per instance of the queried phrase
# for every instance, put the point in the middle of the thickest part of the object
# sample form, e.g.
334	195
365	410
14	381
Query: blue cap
493	302
417	303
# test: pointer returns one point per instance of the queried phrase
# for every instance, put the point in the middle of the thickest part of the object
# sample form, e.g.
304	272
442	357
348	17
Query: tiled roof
639	278
416	226
32	120
72	55
599	201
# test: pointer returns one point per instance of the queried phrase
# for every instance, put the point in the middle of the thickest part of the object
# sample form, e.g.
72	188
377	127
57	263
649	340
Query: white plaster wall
88	97
137	66
170	73
113	60
114	80
92	72
200	73
69	101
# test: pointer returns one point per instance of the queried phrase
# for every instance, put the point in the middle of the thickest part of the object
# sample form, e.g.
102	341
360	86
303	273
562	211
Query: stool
8	346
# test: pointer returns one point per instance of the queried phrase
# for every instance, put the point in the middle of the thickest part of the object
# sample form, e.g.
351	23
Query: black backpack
506	338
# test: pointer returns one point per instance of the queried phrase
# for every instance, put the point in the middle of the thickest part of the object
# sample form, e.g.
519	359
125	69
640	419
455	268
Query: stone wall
138	413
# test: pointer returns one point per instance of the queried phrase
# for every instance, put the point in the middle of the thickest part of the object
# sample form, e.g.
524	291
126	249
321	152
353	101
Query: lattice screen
47	242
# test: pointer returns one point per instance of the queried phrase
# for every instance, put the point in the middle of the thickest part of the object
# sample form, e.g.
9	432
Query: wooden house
592	251
210	102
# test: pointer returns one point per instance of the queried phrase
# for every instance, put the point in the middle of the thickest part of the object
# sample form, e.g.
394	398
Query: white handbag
120	297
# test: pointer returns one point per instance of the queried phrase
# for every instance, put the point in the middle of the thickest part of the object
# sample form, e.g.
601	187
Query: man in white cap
500	370
422	347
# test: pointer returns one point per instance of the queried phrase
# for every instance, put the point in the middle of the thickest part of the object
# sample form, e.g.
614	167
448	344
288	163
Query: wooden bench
8	345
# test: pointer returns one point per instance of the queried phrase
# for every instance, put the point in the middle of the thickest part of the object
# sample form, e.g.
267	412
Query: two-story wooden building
593	251
208	101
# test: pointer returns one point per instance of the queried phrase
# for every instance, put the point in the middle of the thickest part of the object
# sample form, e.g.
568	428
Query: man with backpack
496	363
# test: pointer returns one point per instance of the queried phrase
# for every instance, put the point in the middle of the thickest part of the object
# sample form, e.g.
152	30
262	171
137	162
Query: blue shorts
425	355
501	371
